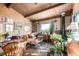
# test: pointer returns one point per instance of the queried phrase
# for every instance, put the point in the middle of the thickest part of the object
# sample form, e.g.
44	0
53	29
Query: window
45	27
27	28
9	25
76	16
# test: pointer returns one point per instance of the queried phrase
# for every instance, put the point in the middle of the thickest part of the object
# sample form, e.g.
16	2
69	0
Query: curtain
52	27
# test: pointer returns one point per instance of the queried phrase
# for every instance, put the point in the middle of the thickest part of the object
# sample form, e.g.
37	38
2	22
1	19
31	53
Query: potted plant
55	37
56	49
5	35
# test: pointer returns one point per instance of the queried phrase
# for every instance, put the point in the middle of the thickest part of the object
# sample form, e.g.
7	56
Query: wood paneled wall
17	17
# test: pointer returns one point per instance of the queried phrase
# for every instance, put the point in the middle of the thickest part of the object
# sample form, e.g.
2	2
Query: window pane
45	26
9	28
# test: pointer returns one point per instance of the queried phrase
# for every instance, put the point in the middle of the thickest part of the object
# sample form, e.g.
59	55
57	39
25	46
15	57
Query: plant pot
46	38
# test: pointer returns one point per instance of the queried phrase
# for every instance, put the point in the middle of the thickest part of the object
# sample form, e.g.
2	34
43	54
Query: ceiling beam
68	13
59	4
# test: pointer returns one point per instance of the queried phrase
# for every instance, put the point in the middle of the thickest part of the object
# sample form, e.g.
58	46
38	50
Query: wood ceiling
40	11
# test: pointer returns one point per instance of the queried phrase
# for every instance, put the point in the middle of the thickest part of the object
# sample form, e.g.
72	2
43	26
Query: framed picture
18	25
2	19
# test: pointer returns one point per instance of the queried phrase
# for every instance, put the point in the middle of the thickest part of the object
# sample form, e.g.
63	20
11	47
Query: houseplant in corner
56	49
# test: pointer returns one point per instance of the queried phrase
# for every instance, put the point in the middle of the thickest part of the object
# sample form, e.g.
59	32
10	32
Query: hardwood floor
35	52
40	50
